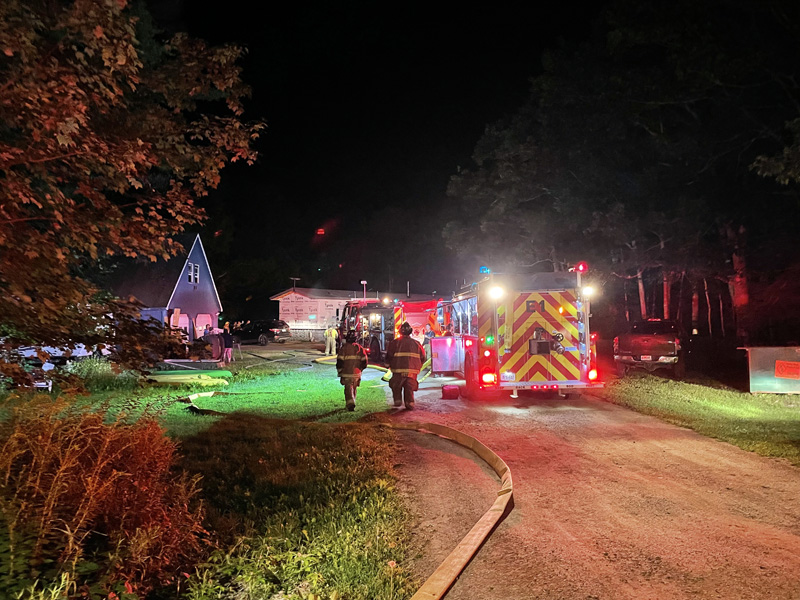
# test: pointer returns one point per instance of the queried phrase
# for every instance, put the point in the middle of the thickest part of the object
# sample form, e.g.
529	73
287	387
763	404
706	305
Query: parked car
652	344
264	332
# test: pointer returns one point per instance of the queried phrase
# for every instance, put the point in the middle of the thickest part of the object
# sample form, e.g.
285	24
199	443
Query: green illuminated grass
300	497
272	390
768	424
314	504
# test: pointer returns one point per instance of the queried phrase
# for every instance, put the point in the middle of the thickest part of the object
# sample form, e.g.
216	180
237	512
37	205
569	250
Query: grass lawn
299	497
768	424
297	390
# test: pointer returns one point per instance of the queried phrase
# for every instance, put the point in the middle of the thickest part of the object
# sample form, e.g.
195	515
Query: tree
633	150
107	139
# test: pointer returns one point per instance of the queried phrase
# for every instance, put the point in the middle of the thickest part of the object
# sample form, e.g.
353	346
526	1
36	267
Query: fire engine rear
514	332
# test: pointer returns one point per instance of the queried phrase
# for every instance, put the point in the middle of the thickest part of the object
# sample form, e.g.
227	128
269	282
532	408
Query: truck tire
622	370
470	385
679	370
375	352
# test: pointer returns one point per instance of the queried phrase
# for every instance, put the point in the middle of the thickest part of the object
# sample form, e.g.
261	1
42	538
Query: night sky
368	106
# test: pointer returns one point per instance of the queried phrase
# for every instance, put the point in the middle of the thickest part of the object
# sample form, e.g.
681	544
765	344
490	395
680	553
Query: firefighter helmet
350	338
406	329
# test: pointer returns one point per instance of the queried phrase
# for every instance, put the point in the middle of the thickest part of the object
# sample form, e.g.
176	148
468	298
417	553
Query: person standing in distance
406	357
330	340
227	344
350	362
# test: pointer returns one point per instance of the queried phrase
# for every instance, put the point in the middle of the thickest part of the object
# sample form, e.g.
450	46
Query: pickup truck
652	344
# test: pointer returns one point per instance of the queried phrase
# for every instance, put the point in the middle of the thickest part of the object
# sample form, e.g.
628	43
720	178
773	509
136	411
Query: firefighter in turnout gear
350	362
406	357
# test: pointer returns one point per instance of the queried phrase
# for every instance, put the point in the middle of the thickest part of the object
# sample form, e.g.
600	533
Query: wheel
471	386
622	370
679	370
375	351
263	340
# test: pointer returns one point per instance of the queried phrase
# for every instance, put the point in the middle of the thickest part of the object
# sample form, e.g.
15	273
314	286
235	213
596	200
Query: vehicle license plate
646	357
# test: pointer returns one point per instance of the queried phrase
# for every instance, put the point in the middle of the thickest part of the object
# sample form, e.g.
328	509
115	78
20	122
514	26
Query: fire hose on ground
387	373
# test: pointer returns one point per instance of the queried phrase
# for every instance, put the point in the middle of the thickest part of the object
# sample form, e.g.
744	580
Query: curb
437	585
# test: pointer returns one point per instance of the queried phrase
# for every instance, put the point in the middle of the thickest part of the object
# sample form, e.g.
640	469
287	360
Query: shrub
94	499
99	374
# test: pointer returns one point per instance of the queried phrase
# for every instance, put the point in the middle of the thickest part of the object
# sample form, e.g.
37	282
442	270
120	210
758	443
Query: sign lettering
785	369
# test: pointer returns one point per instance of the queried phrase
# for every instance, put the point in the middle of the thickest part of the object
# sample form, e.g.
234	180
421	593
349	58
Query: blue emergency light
486	270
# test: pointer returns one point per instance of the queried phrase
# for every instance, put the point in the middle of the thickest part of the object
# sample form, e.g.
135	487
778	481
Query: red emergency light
581	267
592	374
488	378
321	231
468	343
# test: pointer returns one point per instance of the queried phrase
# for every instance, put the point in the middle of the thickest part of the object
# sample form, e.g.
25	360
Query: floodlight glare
496	292
588	291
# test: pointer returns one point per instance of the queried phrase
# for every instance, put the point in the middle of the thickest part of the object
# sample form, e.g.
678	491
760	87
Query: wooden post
642	300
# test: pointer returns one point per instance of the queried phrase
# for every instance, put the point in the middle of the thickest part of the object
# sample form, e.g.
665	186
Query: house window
193	272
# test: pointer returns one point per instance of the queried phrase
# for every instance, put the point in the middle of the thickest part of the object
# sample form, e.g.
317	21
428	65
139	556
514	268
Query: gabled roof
154	283
323	294
316	294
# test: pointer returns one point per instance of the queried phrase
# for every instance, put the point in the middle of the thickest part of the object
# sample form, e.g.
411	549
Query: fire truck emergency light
592	374
581	267
496	293
490	339
489	378
588	291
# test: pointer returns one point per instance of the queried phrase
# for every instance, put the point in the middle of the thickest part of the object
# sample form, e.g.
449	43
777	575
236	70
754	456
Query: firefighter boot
409	386
350	396
396	385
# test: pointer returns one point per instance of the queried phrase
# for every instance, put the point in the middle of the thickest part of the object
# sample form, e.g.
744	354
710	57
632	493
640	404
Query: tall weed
99	374
76	487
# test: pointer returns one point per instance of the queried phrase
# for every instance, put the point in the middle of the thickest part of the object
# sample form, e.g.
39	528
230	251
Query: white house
313	309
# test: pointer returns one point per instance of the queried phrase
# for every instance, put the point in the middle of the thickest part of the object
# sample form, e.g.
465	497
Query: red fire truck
514	332
377	322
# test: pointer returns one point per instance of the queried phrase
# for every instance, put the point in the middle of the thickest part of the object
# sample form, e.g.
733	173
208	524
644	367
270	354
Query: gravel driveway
608	504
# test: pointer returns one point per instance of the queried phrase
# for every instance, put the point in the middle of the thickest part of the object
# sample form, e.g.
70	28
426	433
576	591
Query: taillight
488	378
592	374
616	345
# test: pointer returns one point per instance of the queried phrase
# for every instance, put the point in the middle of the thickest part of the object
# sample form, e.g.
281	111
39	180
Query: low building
309	311
180	292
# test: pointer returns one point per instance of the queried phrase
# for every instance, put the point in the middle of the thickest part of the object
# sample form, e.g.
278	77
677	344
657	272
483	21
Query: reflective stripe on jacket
351	360
405	356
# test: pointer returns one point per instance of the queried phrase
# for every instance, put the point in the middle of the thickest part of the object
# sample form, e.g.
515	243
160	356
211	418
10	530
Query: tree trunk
695	307
625	293
679	315
642	299
721	315
739	294
708	308
665	281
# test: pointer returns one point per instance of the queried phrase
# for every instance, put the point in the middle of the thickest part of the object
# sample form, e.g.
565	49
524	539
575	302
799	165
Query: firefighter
351	360
330	340
406	357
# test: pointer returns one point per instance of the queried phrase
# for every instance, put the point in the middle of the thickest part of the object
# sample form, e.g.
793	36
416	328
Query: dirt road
609	504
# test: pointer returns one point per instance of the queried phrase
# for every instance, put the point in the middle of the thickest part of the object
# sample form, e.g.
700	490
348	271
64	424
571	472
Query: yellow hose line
330	360
436	586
